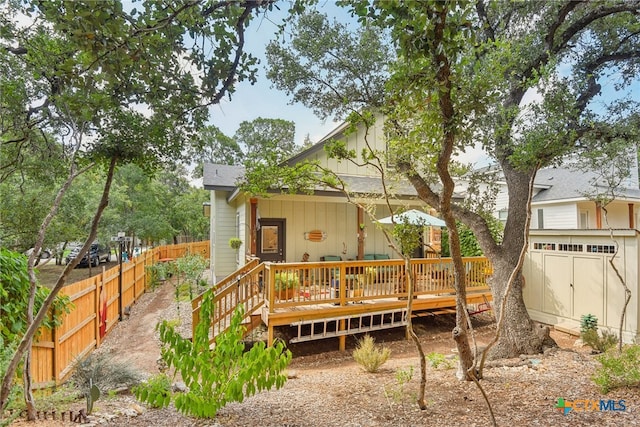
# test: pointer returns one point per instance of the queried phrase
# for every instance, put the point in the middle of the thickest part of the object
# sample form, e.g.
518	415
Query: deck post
342	339
270	336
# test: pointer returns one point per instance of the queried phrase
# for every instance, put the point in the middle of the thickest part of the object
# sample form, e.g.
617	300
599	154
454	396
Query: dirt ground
48	272
327	387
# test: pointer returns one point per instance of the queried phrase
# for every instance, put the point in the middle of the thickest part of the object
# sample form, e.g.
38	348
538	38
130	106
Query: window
601	249
584	220
545	246
570	247
540	218
502	215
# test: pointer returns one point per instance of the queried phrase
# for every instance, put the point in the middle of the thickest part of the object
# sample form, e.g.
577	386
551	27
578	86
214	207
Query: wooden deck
342	290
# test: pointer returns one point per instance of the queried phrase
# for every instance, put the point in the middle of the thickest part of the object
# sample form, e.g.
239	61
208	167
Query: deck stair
349	325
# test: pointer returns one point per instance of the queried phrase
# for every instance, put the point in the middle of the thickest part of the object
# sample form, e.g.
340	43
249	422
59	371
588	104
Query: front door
271	239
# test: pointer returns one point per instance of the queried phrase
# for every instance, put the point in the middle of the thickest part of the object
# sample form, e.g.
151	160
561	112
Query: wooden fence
55	351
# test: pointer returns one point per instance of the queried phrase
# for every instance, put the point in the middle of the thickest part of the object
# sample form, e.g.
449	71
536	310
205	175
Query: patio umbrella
413	216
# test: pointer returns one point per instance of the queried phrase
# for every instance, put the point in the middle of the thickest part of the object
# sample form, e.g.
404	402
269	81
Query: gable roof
318	146
568	183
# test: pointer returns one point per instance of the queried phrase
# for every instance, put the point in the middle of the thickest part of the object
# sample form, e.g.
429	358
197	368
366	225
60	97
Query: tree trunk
25	343
519	334
422	403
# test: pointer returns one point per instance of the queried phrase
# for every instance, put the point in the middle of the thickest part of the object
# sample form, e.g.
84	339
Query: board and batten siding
357	141
568	276
337	218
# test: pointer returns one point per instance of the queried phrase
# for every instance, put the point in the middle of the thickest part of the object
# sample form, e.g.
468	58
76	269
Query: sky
260	100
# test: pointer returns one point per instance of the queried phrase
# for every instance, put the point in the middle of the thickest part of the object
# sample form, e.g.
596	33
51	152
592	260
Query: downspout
361	232
252	225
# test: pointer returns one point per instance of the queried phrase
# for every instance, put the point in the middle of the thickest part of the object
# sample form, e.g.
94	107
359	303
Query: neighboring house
572	243
284	227
563	200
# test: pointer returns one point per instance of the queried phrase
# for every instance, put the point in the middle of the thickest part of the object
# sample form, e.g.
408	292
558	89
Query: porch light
206	209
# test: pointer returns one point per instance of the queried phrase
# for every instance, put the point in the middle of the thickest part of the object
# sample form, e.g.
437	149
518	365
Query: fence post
96	330
56	350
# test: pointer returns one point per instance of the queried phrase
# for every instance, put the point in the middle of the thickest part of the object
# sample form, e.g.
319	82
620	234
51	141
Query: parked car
44	253
97	254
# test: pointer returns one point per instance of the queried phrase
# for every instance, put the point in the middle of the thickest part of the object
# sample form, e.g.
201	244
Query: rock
179	387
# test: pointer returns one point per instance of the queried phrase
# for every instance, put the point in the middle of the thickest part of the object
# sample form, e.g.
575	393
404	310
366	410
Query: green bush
438	360
14	291
159	387
600	342
618	369
369	356
218	375
588	322
590	336
286	280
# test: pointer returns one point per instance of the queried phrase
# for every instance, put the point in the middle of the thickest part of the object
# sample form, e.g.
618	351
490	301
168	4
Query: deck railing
342	282
240	288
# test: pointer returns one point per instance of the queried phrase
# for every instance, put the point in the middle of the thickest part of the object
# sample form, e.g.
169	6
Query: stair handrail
240	287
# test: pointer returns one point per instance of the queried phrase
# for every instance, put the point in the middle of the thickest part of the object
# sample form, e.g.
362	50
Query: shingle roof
221	177
568	183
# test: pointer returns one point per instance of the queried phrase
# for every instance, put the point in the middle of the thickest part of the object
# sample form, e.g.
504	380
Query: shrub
15	393
106	374
588	322
158	386
590	336
619	369
600	342
214	377
397	392
286	280
437	360
369	356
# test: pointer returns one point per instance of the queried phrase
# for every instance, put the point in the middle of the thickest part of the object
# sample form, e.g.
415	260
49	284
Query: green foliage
217	148
468	242
599	342
369	356
189	269
156	391
589	334
286	280
6	352
588	322
235	243
618	369
219	375
260	136
14	291
330	68
438	360
157	274
397	392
